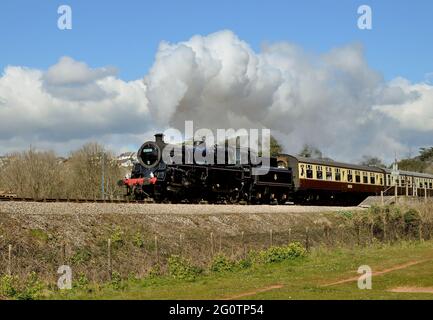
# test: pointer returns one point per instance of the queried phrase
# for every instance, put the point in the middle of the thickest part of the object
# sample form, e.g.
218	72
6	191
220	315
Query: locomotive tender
288	179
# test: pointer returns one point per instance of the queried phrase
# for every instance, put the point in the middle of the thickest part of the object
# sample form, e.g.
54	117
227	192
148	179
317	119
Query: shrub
117	238
346	214
81	256
138	240
116	281
8	286
245	263
154	271
30	289
221	263
278	254
412	220
82	282
180	268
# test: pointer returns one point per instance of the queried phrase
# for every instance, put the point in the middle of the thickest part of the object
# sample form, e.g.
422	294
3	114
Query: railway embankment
101	239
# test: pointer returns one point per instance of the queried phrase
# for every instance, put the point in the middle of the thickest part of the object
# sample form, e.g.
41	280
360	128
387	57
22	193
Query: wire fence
136	255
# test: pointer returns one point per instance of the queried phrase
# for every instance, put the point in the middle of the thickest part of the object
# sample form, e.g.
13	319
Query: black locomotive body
237	179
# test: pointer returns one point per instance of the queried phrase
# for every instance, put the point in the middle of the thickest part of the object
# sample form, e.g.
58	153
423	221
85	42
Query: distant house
4	161
127	159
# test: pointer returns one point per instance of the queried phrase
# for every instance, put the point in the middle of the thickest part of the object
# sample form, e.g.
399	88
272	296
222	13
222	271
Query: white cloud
415	114
32	114
335	100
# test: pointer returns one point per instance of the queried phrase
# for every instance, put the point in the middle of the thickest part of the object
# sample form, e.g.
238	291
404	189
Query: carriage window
349	176
364	177
328	173
372	179
357	177
430	185
337	175
381	180
302	170
309	171
319	172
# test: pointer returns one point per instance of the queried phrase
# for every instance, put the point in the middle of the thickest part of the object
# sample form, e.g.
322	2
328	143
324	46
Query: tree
85	168
275	147
309	151
372	161
414	164
33	174
426	154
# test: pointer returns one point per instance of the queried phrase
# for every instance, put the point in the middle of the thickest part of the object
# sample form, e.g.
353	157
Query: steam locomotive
287	178
236	179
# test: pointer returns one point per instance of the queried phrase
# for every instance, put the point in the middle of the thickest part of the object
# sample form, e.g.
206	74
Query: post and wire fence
128	257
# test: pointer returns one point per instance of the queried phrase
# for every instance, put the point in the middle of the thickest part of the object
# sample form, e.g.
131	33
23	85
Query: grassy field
302	278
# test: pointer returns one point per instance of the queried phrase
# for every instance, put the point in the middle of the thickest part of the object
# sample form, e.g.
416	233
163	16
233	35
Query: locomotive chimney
159	138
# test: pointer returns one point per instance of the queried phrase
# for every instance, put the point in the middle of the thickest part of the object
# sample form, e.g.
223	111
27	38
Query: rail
74	200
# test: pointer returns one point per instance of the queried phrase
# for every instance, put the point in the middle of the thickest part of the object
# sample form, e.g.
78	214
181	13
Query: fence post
243	244
271	240
9	259
307	239
211	244
382	199
156	250
326	233
219	249
290	235
63	253
358	231
110	269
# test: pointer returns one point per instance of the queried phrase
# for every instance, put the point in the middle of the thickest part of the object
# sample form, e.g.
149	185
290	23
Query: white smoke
334	101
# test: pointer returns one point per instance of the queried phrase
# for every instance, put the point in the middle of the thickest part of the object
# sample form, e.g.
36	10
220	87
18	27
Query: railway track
73	200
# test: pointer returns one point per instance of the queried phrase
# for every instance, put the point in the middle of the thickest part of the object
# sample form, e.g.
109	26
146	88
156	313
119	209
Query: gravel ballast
38	208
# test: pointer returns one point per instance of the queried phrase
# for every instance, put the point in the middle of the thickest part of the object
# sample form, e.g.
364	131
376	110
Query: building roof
411	173
332	163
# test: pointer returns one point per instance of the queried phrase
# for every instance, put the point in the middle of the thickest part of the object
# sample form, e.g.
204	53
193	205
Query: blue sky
320	78
126	34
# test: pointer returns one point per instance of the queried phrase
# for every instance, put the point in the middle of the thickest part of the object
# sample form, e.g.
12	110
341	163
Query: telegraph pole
396	175
103	175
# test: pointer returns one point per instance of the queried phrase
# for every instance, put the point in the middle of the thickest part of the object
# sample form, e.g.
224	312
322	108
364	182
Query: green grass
301	278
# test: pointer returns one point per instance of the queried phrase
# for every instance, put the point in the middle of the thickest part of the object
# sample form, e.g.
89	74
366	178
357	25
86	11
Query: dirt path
378	273
253	293
412	289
